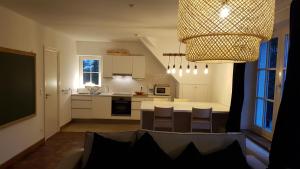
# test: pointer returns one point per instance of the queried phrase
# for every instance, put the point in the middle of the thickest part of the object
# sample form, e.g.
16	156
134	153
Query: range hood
122	74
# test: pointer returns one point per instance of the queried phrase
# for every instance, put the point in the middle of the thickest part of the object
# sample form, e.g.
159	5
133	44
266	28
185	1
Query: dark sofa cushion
231	157
146	151
108	152
190	157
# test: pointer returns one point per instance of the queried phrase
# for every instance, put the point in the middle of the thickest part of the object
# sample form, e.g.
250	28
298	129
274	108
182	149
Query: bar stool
163	119
201	119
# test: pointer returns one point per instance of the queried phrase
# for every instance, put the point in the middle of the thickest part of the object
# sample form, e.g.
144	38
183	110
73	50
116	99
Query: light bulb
206	70
195	70
174	69
169	70
224	12
188	70
180	71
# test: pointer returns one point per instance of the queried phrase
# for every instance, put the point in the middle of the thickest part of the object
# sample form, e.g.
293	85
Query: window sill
259	140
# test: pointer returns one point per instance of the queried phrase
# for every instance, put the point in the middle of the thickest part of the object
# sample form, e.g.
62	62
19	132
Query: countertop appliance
162	90
121	106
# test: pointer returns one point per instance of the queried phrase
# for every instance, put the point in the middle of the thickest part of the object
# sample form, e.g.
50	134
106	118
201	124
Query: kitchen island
182	114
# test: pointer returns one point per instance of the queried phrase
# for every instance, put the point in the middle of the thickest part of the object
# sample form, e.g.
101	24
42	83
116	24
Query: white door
51	92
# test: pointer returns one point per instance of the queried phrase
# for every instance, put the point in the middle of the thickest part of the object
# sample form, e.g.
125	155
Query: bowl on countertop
139	93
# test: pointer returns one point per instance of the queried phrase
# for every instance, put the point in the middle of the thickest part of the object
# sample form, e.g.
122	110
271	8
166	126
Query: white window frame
263	131
89	57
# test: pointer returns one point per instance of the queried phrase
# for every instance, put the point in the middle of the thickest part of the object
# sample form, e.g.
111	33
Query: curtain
234	117
285	148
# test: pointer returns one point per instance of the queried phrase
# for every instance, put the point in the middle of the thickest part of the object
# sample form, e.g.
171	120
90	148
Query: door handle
47	95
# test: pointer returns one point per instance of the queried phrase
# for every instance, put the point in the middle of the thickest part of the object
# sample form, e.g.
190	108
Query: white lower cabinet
135	114
81	107
91	107
101	107
81	113
136	105
135	110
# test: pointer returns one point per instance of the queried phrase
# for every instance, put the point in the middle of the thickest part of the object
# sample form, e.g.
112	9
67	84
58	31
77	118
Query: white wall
155	72
209	84
21	33
221	83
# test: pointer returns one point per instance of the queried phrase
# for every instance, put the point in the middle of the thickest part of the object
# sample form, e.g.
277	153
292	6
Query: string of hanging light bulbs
180	71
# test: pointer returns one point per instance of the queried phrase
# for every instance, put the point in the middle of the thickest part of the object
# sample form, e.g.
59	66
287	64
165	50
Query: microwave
162	90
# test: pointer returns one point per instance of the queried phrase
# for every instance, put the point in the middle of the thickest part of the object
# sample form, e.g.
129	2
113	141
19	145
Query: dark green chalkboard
17	85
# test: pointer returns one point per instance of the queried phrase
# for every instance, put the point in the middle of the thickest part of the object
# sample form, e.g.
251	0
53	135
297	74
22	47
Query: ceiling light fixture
174	67
180	71
206	69
188	70
224	30
173	70
169	70
195	69
225	10
180	67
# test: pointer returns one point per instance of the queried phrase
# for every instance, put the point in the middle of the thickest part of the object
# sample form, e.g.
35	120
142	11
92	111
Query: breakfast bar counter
182	114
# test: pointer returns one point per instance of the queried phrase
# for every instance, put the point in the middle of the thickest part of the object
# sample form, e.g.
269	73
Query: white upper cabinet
134	65
107	66
138	67
122	64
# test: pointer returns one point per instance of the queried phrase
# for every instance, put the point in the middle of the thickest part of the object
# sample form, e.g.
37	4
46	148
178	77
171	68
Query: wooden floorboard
49	155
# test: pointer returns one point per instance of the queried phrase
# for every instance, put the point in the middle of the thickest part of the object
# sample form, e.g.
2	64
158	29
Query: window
90	70
286	55
266	74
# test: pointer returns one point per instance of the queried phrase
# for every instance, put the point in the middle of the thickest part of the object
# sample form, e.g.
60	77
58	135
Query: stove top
122	94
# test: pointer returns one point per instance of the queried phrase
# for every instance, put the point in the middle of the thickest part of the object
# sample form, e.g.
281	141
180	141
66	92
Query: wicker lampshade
224	30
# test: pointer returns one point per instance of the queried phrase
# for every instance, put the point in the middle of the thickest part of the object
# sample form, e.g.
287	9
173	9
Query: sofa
170	142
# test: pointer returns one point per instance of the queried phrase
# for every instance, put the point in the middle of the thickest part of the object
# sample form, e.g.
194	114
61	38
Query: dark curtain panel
285	149
234	117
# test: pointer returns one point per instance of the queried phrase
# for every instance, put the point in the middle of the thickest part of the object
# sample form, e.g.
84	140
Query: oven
121	106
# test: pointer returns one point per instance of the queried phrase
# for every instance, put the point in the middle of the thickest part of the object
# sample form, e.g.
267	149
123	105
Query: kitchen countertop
117	94
87	94
151	95
184	106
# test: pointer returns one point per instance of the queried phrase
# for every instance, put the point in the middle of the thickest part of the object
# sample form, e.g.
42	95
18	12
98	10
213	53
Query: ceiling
109	20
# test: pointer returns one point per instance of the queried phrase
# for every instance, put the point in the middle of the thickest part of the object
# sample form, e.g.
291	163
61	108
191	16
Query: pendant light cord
174	60
180	53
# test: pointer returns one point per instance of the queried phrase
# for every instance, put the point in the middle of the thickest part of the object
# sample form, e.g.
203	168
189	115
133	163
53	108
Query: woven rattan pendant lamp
224	30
